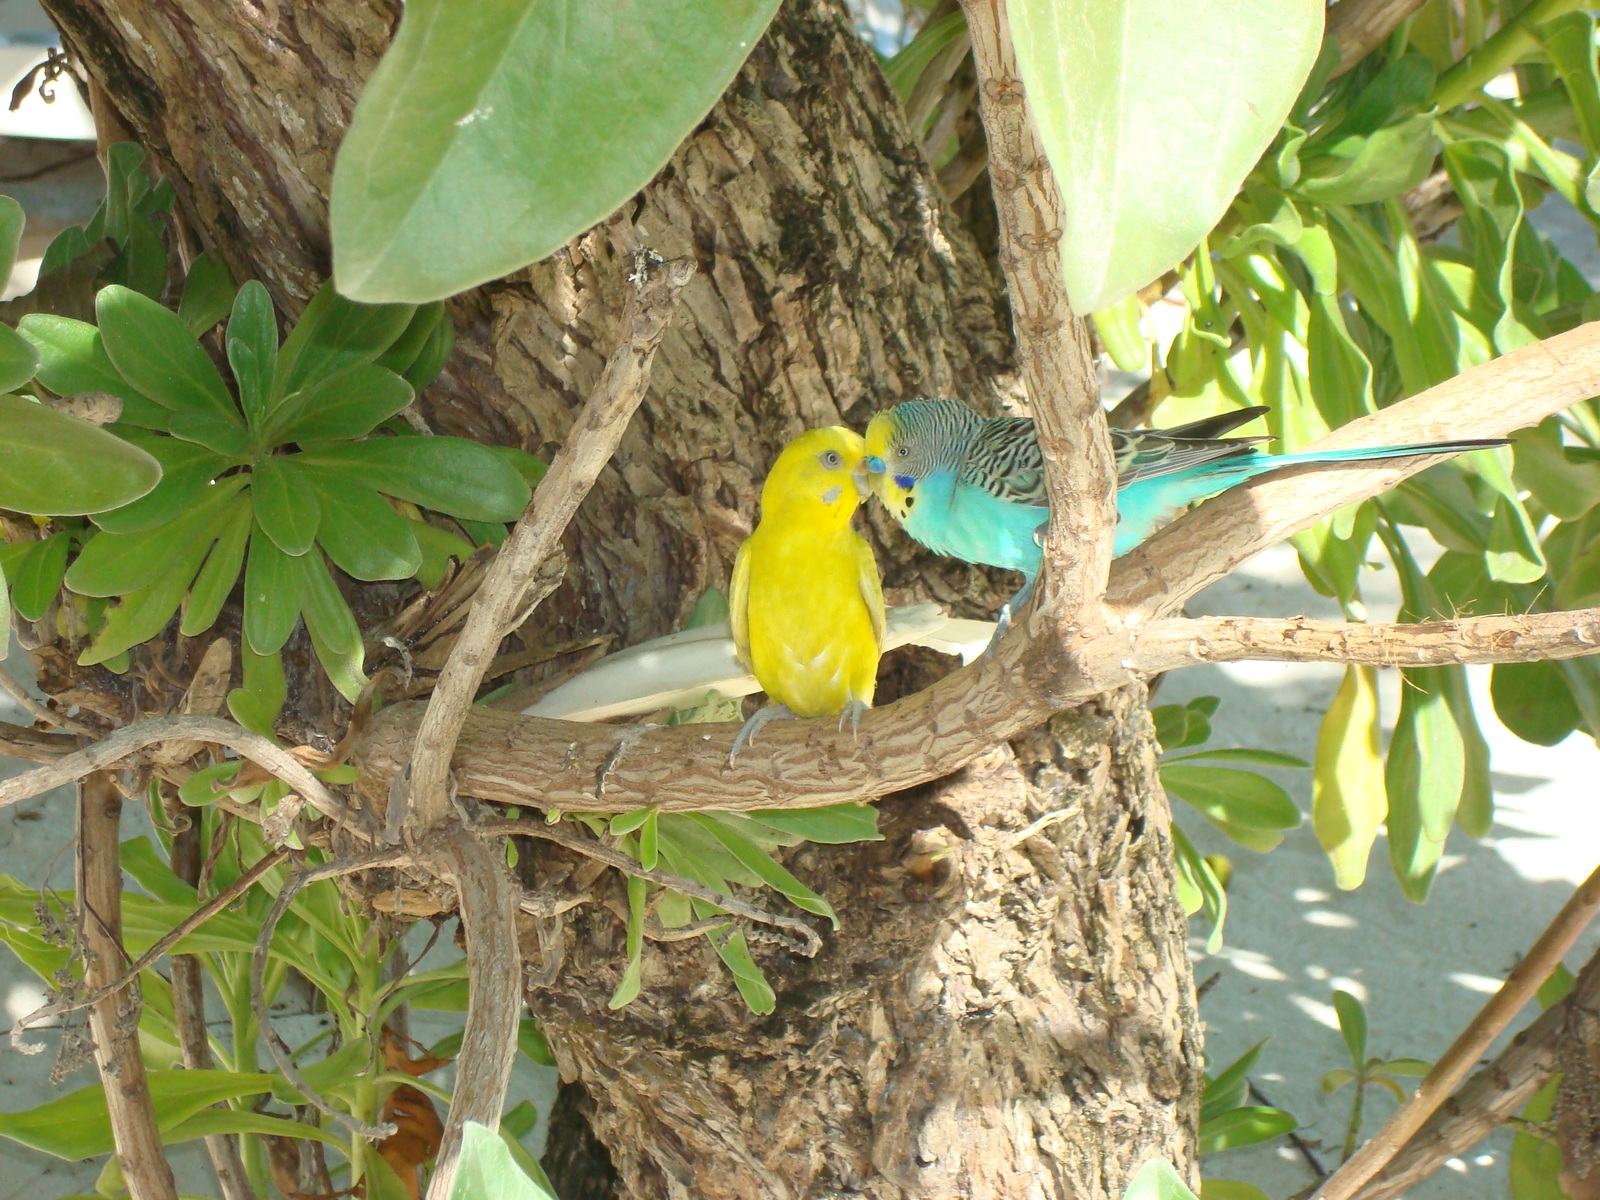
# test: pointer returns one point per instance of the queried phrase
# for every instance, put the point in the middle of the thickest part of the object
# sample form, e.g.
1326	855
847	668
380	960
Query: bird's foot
1015	605
852	712
764	716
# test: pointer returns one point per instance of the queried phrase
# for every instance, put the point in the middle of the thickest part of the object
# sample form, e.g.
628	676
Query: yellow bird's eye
831	459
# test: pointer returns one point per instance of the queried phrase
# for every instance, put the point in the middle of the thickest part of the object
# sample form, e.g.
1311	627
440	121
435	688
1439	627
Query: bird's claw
762	718
852	712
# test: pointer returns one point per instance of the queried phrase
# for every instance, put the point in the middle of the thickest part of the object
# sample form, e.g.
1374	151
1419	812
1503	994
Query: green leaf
766	868
206	786
1353	1025
650	841
1118	327
187	470
1229	1087
56	465
1569	40
438	548
347	404
492	134
221	571
143	260
1485	180
486	1170
335	636
1347	797
454	476
156	352
144	612
1145	172
5	610
833	824
747	977
1475	813
1180	725
1230	1189
531	1041
1257	758
335	333
360	531
1157	1180
628	986
907	66
1423	779
1361	170
18	359
1400	87
1565	480
1196	875
286	504
1535	1171
1232	798
256	704
35	570
400	357
1245	1126
73	360
271	595
114	564
433	356
1534	702
207	294
253	349
12	220
77	1125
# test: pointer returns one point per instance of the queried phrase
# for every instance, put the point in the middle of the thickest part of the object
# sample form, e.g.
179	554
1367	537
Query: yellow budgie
806	603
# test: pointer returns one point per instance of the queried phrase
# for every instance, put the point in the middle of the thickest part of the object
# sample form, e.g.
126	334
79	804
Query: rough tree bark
1008	1010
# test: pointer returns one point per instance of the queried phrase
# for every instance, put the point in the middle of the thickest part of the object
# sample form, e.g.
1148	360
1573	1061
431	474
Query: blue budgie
973	487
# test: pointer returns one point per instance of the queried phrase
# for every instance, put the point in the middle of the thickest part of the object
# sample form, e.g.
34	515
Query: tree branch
1052	343
1491	1096
488	899
1357	26
589	446
513	759
1542	958
34	745
115	747
1166	645
114	1021
1499	397
41	712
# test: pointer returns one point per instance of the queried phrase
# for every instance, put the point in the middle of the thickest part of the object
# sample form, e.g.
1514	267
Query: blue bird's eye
905	481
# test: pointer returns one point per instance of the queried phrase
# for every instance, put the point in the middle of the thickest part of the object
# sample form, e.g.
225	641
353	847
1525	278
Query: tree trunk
1000	1015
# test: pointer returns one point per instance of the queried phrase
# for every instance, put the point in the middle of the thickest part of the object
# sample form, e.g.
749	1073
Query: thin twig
1492	1096
10	686
593	438
115	747
168	940
189	1018
35	745
543	830
1165	645
115	1019
258	970
1519	987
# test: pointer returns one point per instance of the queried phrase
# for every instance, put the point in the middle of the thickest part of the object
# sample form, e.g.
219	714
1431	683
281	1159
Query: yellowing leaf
1347	792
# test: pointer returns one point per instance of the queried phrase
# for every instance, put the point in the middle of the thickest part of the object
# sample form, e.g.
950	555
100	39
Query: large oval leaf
55	465
363	535
449	475
18	359
155	351
1149	140
73	360
493	132
1347	791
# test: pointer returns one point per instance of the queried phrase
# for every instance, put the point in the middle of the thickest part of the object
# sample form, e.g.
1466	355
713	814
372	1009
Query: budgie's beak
861	475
